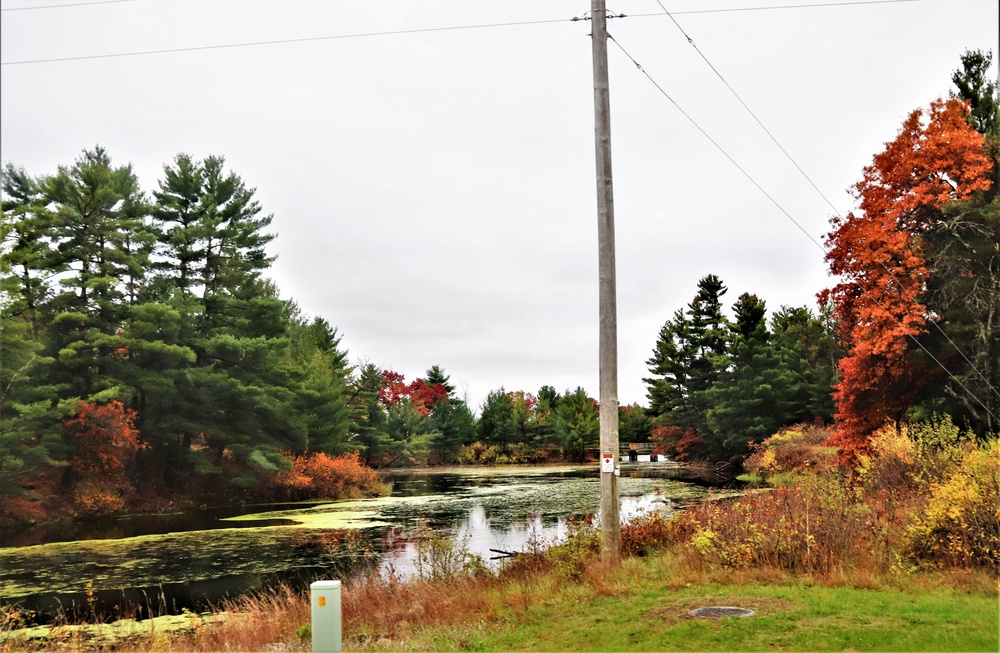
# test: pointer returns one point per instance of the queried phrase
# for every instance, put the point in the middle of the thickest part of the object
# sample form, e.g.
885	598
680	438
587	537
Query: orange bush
652	531
105	441
319	475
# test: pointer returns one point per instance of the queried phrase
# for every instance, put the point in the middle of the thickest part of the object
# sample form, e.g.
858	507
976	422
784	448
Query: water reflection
189	560
491	537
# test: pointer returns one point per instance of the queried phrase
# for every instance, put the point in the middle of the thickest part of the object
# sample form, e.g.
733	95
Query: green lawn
646	614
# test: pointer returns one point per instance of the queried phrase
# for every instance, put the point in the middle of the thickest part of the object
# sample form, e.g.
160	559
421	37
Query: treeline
146	358
718	386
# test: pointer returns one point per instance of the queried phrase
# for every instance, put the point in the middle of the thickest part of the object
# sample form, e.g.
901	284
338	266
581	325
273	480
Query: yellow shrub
960	526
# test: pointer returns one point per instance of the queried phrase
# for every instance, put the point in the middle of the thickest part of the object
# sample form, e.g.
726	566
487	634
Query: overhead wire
63	6
783	211
333	37
814	186
397	32
727	10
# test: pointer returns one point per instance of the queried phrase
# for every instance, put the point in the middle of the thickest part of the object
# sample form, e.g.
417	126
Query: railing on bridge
632	452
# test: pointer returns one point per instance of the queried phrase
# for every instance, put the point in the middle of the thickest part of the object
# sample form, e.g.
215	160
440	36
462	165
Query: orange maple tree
105	441
879	255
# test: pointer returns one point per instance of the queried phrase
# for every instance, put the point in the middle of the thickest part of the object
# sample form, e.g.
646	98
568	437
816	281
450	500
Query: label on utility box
322	601
608	462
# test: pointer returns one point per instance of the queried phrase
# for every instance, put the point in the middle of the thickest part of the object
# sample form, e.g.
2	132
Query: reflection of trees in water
512	512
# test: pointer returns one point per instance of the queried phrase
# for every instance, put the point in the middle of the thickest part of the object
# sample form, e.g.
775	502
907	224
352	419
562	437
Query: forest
146	359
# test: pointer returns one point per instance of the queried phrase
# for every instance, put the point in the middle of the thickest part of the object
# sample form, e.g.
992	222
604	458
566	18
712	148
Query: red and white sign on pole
608	462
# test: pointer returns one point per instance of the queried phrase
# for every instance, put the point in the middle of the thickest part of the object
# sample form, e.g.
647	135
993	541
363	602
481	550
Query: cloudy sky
433	188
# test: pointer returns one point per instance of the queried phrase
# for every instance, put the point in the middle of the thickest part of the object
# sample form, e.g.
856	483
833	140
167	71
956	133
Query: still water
144	565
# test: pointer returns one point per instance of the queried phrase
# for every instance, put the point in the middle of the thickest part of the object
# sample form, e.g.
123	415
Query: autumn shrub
319	475
105	440
809	528
683	445
470	454
441	556
478	453
568	558
90	499
649	532
960	524
923	491
799	449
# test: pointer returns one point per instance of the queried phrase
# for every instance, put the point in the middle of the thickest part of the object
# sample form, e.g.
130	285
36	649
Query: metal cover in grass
720	611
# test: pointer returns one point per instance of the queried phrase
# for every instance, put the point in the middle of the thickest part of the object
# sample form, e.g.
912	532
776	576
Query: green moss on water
116	635
506	495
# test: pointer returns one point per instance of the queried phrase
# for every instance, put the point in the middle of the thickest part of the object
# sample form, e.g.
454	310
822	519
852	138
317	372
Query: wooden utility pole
610	525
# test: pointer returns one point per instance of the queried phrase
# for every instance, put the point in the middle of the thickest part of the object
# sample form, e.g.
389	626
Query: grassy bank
641	606
645	606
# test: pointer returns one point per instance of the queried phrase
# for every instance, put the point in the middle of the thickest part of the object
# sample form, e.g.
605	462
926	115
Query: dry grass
380	614
379	611
255	623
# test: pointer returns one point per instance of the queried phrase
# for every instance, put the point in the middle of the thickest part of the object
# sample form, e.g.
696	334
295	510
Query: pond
149	565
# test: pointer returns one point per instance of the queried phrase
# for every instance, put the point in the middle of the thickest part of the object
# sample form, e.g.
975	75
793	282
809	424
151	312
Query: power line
752	114
813	184
398	32
820	5
422	30
788	215
77	4
716	144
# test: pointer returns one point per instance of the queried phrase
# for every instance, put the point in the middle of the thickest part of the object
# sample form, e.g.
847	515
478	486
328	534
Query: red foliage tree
393	388
878	254
425	397
682	444
420	393
105	441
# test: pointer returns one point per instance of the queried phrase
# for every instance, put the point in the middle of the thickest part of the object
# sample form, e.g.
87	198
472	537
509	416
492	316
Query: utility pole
610	524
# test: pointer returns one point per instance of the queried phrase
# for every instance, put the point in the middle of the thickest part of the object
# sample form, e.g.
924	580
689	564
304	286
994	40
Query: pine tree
368	428
436	376
749	401
456	425
577	424
689	354
496	420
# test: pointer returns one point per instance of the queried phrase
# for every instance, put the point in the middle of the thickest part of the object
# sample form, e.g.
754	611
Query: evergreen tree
456	425
634	425
320	375
577	424
748	401
689	354
545	431
807	345
411	435
27	257
368	429
496	420
97	224
976	87
436	376
247	381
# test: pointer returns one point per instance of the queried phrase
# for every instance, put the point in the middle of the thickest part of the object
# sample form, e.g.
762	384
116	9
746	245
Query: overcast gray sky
433	191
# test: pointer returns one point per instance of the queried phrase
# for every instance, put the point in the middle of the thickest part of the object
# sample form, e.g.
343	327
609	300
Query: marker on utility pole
608	345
